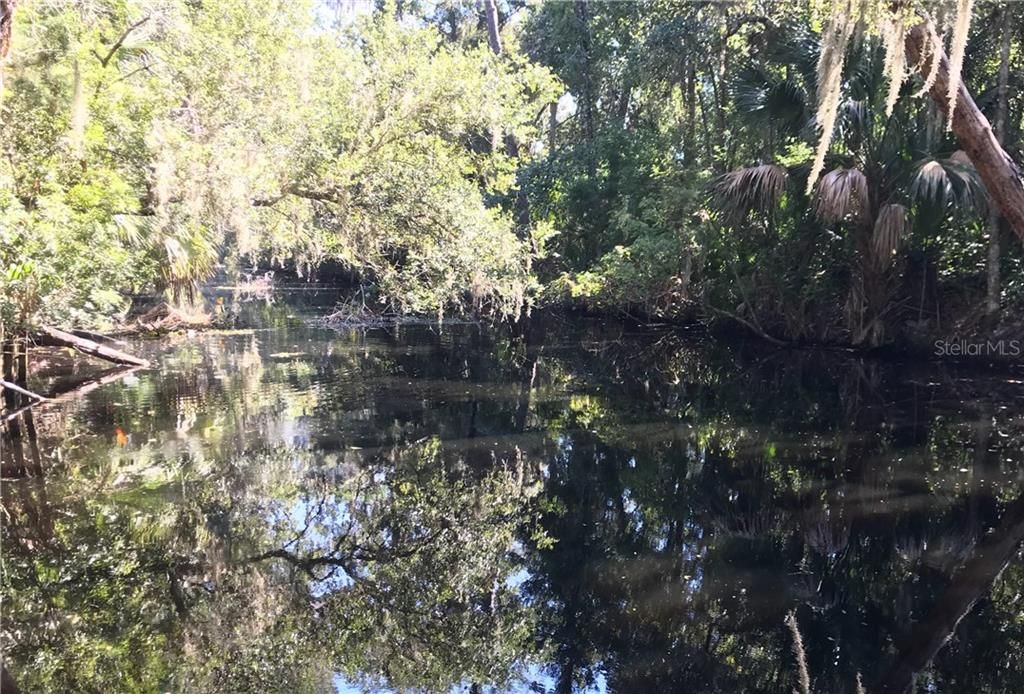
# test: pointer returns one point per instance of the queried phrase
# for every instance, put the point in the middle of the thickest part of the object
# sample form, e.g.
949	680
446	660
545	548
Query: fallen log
98	337
60	338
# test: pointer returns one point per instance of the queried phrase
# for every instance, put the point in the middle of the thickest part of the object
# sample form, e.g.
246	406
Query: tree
892	183
7	8
1001	176
943	81
176	146
1002	83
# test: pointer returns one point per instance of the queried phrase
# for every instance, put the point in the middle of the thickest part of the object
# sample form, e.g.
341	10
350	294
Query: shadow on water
279	507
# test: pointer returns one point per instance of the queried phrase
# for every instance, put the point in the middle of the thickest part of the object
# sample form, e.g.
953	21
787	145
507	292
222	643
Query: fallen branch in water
356	312
754	328
18	389
164	318
87	386
77	389
98	337
60	338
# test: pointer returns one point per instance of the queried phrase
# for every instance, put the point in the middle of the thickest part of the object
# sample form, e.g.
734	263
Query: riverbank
227	307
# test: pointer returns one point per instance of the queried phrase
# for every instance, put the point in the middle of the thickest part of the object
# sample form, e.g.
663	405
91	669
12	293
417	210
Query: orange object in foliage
122	439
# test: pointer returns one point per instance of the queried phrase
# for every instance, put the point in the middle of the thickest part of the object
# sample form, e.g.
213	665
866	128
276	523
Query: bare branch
120	41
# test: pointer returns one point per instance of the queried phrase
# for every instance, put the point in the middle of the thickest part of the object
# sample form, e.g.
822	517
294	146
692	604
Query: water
282	507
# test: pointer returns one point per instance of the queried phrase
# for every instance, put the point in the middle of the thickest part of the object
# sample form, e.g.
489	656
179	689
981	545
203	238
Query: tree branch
739	22
18	389
120	41
300	192
997	170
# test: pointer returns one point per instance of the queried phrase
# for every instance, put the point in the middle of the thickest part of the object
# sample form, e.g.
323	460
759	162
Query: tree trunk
7	373
582	11
494	40
493	37
718	164
53	336
705	129
622	109
721	93
1000	175
522	203
6	20
552	128
7	683
994	252
691	111
7	359
79	113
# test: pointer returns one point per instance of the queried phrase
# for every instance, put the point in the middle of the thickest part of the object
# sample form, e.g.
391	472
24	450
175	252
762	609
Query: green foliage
170	136
674	104
150	143
400	197
652	274
62	265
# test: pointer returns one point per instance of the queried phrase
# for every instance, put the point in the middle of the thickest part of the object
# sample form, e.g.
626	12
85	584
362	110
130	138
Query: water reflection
279	507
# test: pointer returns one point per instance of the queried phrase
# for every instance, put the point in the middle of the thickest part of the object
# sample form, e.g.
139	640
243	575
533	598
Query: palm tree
185	252
887	177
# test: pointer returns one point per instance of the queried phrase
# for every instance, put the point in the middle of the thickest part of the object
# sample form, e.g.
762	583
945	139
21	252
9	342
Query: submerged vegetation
811	171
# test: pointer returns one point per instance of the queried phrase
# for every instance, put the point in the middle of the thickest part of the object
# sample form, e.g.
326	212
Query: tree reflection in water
437	509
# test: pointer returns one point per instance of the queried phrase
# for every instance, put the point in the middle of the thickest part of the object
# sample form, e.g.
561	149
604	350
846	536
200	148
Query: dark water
595	508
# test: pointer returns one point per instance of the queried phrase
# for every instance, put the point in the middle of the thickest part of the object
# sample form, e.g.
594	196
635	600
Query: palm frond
890	228
189	258
793	43
134	229
961	158
948	183
757	188
864	71
841	194
931	182
762	97
854	119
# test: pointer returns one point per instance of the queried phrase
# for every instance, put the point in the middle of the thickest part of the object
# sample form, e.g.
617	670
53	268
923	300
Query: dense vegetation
652	158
